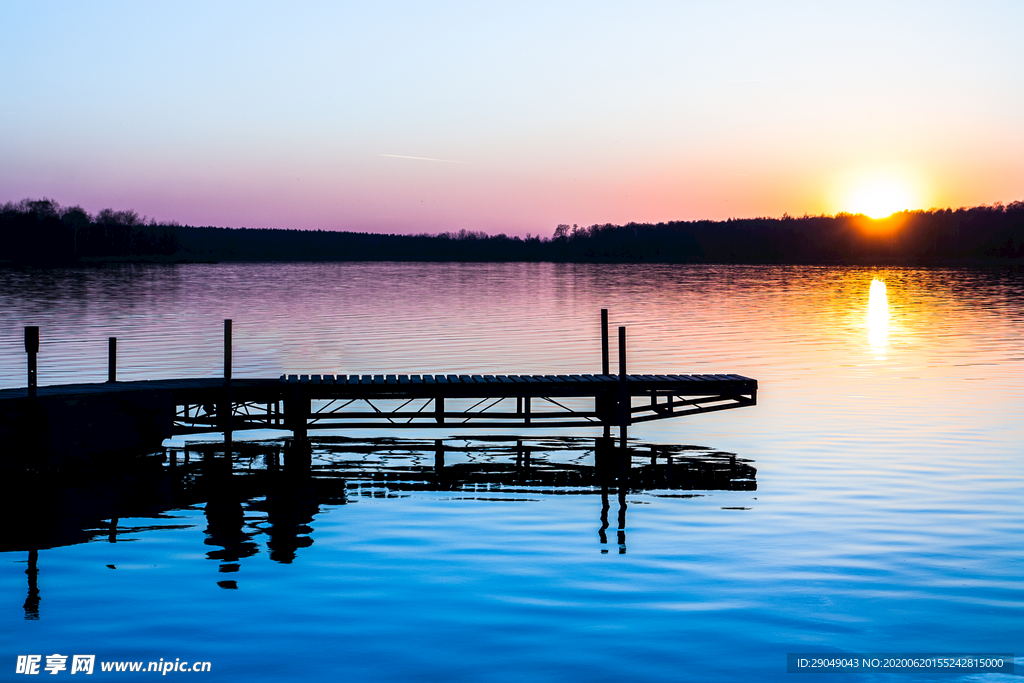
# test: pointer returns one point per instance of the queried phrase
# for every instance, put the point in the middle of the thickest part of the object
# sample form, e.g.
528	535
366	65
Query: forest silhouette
41	232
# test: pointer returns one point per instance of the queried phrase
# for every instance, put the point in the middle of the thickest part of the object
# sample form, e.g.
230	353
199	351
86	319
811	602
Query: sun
880	197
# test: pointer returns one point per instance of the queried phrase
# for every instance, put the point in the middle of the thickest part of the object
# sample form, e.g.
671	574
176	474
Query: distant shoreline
867	263
42	233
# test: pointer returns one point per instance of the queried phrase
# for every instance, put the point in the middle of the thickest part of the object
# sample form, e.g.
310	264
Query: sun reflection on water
878	317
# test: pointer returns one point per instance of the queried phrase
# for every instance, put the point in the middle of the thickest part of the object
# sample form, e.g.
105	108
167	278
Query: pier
86	419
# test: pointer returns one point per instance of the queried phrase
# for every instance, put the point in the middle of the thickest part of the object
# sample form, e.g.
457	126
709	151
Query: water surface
885	517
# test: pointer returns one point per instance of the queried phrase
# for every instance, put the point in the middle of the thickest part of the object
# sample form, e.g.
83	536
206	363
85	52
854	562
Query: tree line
41	232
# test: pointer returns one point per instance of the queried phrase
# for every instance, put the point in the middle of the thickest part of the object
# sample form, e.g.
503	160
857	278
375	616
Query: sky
509	117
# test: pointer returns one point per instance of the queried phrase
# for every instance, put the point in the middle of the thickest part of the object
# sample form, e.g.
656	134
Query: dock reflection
265	496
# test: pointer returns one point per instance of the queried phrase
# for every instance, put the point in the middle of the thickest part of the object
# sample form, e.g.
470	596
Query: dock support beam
32	348
112	359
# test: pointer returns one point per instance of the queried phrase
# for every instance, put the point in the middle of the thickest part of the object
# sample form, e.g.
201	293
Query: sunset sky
514	117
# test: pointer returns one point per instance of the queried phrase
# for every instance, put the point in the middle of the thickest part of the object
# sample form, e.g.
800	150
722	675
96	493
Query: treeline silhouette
41	232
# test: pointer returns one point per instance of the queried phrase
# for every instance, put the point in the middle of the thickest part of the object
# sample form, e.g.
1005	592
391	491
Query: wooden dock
83	419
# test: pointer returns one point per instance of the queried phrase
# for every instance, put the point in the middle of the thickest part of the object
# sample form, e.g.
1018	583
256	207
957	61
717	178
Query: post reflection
225	516
620	533
264	498
32	600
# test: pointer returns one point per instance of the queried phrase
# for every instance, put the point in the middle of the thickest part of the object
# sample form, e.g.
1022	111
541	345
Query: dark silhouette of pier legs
32	600
112	359
439	457
439	472
602	532
298	456
605	459
32	348
621	530
297	408
225	519
621	534
291	504
523	463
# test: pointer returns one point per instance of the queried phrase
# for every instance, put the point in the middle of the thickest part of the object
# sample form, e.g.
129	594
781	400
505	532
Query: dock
86	419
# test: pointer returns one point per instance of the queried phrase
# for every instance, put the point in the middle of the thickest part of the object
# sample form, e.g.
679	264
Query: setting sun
880	197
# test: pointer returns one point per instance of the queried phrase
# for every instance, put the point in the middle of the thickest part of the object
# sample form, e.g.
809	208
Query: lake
870	502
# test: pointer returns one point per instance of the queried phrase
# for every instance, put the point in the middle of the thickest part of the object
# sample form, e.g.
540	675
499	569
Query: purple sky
426	117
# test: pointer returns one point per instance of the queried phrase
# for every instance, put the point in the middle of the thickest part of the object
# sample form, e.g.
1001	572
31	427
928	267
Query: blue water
886	517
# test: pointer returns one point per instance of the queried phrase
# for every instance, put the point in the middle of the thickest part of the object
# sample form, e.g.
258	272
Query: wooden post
226	406
227	349
112	359
624	405
604	341
32	348
605	369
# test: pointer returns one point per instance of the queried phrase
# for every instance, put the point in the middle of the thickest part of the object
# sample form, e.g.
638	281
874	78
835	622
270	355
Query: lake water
874	502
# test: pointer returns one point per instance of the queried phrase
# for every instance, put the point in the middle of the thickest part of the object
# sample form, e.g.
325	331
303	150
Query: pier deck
80	416
83	419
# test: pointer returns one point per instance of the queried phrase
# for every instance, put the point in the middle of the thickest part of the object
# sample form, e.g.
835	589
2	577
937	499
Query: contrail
760	80
402	156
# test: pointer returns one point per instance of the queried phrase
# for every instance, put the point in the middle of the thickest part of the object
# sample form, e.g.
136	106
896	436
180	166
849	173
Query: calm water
885	513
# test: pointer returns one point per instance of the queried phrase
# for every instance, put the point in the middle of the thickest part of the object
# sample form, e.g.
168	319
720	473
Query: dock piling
112	359
32	348
227	349
624	404
226	407
438	457
604	342
605	370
